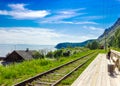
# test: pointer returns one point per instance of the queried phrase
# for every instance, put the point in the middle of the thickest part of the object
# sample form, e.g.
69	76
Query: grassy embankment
117	49
17	72
68	81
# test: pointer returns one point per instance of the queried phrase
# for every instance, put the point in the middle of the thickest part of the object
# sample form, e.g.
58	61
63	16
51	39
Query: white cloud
93	28
17	6
96	31
73	12
68	22
86	22
20	12
92	17
3	12
28	35
43	36
64	15
61	15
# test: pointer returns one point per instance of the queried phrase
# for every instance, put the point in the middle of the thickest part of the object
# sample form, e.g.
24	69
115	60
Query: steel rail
54	84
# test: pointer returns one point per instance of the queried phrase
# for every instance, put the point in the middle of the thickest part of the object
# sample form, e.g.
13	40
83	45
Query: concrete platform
96	74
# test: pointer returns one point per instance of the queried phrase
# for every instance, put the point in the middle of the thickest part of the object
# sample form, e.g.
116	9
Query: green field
19	71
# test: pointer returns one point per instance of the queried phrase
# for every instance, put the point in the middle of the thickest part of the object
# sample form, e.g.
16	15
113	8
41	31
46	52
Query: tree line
52	54
93	45
114	41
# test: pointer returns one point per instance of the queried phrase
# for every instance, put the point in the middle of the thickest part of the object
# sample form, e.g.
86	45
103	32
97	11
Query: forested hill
110	29
112	34
67	44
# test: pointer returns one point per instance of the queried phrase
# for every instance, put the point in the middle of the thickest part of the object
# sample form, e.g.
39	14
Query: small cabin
20	55
2	58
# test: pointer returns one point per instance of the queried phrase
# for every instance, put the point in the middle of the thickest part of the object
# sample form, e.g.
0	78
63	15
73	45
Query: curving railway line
54	76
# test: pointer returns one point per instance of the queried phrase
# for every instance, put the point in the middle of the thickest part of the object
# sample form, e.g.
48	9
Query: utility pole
105	42
15	47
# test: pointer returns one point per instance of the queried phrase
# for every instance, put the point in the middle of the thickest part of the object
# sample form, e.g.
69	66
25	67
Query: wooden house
20	55
2	58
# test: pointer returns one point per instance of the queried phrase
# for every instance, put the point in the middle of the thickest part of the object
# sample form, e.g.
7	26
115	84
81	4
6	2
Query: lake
8	48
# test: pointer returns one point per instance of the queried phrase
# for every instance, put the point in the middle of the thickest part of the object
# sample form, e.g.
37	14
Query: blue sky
53	21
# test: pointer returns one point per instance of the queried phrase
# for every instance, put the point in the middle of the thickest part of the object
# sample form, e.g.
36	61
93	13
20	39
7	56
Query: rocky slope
109	32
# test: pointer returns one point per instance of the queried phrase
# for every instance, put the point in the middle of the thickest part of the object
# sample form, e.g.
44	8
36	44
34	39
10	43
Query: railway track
56	75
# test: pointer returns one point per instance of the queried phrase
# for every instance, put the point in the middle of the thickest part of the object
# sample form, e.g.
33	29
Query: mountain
67	44
109	32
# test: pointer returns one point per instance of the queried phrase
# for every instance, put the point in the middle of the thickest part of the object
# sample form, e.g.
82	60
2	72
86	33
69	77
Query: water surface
8	48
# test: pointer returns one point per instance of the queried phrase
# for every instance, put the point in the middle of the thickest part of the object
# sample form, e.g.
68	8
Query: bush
38	55
50	54
58	53
67	53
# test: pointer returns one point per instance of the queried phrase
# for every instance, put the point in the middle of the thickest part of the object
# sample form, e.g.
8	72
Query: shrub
38	55
58	53
67	53
50	54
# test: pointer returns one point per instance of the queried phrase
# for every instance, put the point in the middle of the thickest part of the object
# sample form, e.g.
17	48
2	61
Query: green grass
102	51
117	49
68	81
17	72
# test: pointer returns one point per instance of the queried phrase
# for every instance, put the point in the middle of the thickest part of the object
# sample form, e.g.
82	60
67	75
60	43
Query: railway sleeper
29	84
47	80
56	74
72	66
51	77
61	72
45	83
